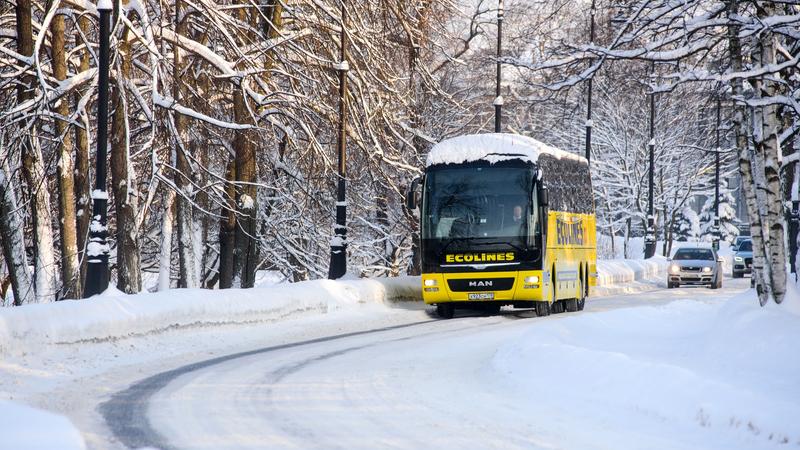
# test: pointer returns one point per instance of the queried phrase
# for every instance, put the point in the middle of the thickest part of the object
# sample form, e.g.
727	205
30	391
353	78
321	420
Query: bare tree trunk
187	262
165	256
5	281
70	268
13	241
82	205
125	196
745	157
768	163
33	170
227	230
626	242
244	261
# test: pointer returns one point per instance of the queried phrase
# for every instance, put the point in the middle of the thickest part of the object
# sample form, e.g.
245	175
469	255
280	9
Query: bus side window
534	224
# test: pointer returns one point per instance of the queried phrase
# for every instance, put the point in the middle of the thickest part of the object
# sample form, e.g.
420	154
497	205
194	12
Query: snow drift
617	276
722	372
23	427
115	315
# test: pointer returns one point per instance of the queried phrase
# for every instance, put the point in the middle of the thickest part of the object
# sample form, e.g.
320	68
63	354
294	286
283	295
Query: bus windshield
479	202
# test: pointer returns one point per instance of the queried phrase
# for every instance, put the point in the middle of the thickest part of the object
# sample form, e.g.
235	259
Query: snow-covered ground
694	373
114	315
686	368
26	428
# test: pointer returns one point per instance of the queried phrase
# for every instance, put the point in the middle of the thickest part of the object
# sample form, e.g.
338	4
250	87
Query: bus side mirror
412	198
544	198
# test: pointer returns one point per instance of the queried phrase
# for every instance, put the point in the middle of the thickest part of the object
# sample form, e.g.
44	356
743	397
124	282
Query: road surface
426	383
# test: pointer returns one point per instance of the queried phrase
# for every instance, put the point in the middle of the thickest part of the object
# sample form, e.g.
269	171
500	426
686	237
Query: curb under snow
114	316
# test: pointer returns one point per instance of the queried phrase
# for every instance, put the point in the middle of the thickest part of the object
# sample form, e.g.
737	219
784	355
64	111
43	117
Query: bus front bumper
500	287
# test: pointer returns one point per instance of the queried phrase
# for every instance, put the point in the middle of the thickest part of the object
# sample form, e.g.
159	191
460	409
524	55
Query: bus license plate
481	296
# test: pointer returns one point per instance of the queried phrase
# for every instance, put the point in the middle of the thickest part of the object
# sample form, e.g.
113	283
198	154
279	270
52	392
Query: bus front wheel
445	310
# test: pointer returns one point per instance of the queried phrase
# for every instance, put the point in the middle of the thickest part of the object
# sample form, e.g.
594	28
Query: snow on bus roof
493	147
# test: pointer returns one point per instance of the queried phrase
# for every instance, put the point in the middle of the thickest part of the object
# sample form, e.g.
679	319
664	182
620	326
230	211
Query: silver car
743	259
695	266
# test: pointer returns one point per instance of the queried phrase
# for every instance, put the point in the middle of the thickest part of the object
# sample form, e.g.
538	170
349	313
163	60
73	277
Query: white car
695	266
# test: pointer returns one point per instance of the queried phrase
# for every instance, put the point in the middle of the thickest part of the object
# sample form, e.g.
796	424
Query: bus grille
480	284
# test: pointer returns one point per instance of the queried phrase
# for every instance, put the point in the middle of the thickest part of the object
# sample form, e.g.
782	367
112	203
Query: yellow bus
505	220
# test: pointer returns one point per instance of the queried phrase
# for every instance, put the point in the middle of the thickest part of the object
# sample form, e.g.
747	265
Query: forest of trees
223	119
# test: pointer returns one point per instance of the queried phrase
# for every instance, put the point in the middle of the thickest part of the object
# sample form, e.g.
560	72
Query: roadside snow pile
720	372
115	315
617	276
26	428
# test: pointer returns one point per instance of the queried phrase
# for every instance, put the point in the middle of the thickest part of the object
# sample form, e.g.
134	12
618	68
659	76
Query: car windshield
694	254
746	246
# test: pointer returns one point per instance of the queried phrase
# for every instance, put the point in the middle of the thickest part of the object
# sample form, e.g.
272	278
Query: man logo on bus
569	232
481	283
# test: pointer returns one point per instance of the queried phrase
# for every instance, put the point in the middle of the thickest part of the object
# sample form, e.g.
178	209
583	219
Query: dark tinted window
569	184
694	253
477	202
746	246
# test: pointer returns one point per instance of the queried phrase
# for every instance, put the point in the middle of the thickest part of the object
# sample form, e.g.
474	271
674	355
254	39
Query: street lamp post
338	266
589	101
716	236
97	249
650	234
498	99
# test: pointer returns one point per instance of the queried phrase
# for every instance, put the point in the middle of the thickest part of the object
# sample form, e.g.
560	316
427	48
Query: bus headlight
533	279
706	269
674	268
430	282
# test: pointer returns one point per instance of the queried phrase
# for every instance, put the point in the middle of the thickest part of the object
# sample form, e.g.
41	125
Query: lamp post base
338	265
649	250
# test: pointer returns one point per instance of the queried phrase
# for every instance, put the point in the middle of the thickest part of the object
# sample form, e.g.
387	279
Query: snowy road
423	384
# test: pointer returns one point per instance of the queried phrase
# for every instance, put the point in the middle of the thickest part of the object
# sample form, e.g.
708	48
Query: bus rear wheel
558	306
445	310
578	303
542	309
571	305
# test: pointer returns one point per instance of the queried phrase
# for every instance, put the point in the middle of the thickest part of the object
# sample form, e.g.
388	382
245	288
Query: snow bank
26	428
115	315
722	372
617	276
492	147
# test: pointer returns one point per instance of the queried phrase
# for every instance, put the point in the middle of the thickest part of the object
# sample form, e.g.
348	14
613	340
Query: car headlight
707	269
533	279
674	268
430	283
738	258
